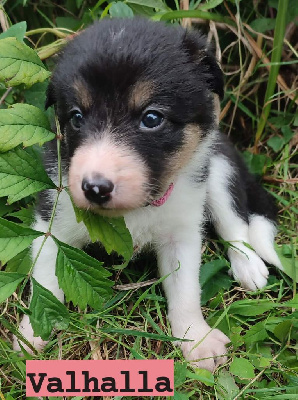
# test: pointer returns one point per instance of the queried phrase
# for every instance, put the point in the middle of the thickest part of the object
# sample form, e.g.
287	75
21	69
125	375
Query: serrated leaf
17	30
242	368
201	375
112	233
19	64
14	238
47	312
8	283
82	278
25	124
22	174
120	10
21	263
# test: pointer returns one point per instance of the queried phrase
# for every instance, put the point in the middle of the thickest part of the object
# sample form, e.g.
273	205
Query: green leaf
287	132
82	278
290	265
159	4
226	386
14	238
263	24
256	163
22	174
26	215
242	368
256	333
120	10
210	4
251	308
110	232
179	373
20	263
5	208
210	269
47	312
20	64
23	123
201	375
276	143
222	282
17	30
8	283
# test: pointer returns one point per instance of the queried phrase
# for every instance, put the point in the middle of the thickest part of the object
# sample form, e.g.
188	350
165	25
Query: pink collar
164	198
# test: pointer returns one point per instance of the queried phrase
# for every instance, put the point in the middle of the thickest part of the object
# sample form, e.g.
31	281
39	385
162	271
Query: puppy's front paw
209	353
248	268
26	330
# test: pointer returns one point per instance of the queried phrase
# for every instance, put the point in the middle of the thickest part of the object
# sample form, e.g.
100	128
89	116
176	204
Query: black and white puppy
138	105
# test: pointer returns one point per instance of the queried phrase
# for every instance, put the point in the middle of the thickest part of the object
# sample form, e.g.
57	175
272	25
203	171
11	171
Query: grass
260	118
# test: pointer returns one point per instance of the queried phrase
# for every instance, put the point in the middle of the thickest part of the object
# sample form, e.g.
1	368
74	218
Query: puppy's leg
66	229
180	256
230	218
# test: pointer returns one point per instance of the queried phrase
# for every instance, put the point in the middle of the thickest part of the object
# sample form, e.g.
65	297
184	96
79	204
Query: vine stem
59	189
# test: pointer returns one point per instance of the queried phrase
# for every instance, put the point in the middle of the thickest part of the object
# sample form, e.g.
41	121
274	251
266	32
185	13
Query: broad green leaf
276	143
20	64
222	282
257	163
120	10
226	386
14	238
201	375
8	283
251	307
5	208
25	124
242	368
110	232
179	373
22	174
211	4
256	333
211	269
289	264
21	263
263	24
159	4
287	132
17	30
47	312
82	278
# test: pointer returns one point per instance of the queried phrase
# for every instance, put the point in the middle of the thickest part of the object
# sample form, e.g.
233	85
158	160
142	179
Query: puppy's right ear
50	96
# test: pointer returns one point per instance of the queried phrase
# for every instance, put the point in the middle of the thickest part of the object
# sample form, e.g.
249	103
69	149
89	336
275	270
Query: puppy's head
134	100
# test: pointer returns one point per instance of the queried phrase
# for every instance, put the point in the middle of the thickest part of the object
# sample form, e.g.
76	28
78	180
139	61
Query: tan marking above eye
140	94
82	93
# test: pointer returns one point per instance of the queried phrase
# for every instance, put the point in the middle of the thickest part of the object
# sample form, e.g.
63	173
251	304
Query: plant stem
275	64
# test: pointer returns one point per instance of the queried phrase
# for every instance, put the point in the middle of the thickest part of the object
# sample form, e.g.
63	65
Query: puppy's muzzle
97	189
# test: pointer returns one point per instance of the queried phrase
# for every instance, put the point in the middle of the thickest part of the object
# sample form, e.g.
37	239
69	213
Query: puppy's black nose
97	189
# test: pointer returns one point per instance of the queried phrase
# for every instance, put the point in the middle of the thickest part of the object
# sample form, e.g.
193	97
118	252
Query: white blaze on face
115	162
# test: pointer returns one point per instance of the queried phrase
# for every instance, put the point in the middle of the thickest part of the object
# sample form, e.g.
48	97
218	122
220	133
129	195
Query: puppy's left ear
50	96
200	53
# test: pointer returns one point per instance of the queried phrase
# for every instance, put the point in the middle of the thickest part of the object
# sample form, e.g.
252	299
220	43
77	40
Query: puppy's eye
76	119
151	119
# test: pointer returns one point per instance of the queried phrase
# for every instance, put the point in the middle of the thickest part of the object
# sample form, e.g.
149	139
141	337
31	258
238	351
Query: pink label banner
100	377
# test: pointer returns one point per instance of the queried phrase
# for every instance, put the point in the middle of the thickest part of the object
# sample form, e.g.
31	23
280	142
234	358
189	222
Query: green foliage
19	64
47	312
25	124
22	174
262	326
82	278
